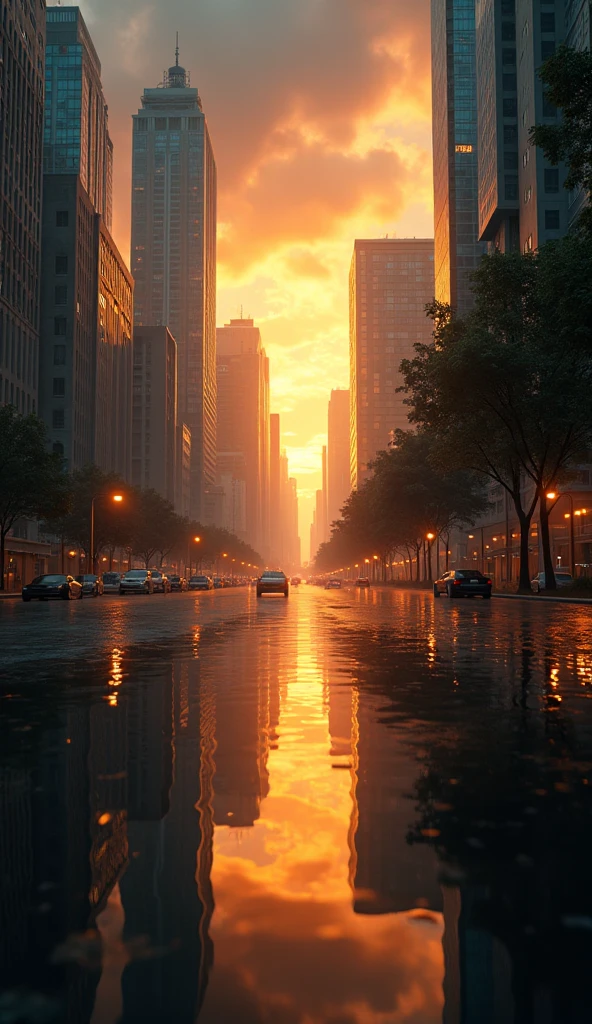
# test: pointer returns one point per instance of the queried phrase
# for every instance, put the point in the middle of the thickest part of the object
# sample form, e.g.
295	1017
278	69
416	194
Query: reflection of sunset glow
116	676
283	895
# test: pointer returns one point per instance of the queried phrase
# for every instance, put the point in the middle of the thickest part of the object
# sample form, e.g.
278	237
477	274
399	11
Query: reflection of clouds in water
286	959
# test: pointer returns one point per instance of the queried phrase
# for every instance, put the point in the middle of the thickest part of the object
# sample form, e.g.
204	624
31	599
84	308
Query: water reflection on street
347	808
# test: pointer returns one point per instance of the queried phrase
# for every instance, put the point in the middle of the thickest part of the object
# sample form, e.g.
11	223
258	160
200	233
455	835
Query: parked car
463	583
178	583
136	581
91	584
53	585
271	582
218	583
111	581
362	581
562	578
160	582
295	581
200	583
333	585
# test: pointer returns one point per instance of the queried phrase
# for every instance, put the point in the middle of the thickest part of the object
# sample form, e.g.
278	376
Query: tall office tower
275	521
154	422
338	476
174	253
295	557
544	201
85	376
497	121
454	112
22	59
578	32
243	423
391	281
313	538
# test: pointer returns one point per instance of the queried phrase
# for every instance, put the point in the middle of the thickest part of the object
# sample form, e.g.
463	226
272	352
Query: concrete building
154	423
21	140
338	473
174	253
391	281
183	470
275	521
454	121
243	424
86	290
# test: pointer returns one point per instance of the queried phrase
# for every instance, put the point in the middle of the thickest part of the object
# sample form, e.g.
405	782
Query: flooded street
352	807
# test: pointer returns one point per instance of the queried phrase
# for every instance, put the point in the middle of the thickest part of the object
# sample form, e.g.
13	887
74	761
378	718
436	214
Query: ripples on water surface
342	809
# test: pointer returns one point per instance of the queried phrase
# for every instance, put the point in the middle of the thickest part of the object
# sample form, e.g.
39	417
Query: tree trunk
418	569
447	552
430	573
550	581
2	549
524	574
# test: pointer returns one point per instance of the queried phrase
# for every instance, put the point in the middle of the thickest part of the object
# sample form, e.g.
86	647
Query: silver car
111	581
137	581
562	578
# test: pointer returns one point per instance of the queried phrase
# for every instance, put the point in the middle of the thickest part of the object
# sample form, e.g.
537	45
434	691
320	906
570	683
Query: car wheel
95	592
436	591
450	592
66	596
258	593
81	595
25	598
487	597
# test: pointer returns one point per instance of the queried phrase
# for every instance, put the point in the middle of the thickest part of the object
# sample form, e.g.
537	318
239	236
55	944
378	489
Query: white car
111	581
562	578
136	581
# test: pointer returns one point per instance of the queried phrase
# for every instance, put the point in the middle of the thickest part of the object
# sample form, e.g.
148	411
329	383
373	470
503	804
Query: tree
506	390
32	482
155	525
567	77
112	522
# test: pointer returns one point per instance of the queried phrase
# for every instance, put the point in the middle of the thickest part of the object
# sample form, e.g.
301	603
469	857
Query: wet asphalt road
344	808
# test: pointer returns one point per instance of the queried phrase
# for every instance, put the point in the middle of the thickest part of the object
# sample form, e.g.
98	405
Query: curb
539	598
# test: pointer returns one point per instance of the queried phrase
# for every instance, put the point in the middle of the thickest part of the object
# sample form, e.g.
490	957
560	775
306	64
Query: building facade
455	145
391	281
154	423
243	428
85	356
22	67
338	472
174	253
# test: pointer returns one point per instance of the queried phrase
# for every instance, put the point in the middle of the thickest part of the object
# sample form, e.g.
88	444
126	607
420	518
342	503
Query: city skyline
373	134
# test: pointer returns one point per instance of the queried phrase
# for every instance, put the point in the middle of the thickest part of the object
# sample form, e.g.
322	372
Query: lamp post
430	537
114	497
554	497
196	540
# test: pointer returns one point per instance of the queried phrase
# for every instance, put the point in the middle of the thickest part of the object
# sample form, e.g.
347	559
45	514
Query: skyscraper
338	475
454	120
22	59
243	424
391	281
154	423
174	253
85	376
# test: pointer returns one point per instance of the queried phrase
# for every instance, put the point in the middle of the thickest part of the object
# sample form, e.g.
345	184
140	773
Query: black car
362	581
271	582
463	583
178	582
53	585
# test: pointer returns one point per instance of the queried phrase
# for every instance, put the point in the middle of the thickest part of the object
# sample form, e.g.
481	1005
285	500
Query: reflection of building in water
149	761
389	874
246	724
166	890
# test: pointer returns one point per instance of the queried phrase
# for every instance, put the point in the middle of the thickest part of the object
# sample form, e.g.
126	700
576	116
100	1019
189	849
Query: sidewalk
6	594
539	598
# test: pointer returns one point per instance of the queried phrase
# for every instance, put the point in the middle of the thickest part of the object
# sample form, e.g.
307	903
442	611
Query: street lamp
430	537
554	497
114	497
196	540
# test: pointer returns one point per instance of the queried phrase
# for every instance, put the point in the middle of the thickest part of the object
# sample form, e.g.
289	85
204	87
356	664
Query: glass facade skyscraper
174	254
454	104
22	57
85	376
391	281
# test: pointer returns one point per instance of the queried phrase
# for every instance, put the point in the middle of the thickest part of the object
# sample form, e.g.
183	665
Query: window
59	326
58	449
59	387
551	179
508	31
510	188
160	124
61	295
57	419
61	265
59	355
549	109
552	220
510	106
547	22
510	134
510	161
508	56
61	218
547	50
509	82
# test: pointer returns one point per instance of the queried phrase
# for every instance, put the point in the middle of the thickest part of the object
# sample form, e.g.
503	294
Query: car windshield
135	574
85	579
273	576
174	579
200	579
49	579
469	574
156	572
110	577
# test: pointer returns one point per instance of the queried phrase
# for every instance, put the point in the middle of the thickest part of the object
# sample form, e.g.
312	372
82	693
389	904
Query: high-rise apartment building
243	425
174	253
455	143
338	471
154	422
391	281
85	360
22	59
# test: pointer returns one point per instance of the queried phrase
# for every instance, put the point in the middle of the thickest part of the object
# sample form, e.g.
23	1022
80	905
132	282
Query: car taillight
488	581
457	583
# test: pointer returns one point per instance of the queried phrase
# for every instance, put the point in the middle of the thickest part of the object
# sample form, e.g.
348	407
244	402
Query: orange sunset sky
319	112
